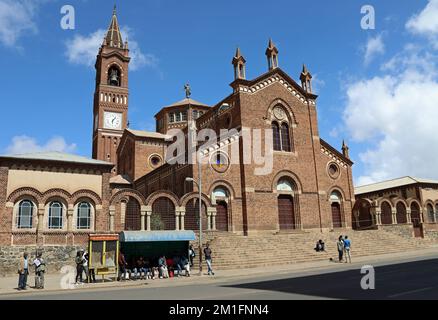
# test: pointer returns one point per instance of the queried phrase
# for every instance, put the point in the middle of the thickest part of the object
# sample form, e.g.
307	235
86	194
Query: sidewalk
56	282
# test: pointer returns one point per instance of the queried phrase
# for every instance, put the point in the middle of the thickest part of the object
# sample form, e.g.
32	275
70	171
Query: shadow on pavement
412	280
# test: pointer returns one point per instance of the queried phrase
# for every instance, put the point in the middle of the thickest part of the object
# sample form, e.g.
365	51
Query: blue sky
364	77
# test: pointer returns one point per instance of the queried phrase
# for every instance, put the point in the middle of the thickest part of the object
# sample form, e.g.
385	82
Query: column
394	216
208	220
41	211
181	212
435	216
148	217
70	213
408	215
143	218
213	222
378	216
112	214
211	214
421	215
177	213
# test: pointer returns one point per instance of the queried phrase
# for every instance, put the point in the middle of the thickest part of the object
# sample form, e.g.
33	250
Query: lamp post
199	184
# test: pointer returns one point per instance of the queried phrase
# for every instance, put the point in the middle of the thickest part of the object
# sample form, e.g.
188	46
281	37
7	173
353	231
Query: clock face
113	120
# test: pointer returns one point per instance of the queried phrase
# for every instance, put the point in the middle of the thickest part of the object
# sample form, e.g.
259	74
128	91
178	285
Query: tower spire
113	36
272	55
239	65
345	150
306	79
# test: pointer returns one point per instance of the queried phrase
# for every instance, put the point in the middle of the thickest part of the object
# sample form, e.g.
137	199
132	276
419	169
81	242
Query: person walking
79	260
340	245
23	271
122	267
208	253
347	247
85	266
192	255
40	269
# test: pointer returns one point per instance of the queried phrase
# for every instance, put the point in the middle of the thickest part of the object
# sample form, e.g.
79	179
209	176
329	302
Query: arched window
55	215
285	185
285	140
276	136
25	214
114	77
430	213
83	216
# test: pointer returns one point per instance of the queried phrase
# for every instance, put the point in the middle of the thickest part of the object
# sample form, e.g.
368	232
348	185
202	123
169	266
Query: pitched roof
389	184
185	102
121	179
57	156
147	134
114	37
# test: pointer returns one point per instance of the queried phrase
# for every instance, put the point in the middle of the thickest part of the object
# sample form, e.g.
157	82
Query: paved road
409	280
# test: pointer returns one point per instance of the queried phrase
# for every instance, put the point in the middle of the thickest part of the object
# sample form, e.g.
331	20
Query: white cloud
24	144
426	22
83	49
16	19
374	47
397	115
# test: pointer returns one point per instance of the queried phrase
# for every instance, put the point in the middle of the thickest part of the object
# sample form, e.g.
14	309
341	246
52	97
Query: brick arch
126	193
289	174
380	201
396	200
86	194
195	195
429	202
410	201
18	195
338	189
277	101
362	219
219	183
162	194
56	193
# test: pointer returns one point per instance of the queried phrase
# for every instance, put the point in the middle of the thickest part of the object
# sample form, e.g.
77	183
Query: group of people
81	261
344	247
161	267
23	271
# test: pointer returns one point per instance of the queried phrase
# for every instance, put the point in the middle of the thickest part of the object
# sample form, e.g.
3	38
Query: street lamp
199	184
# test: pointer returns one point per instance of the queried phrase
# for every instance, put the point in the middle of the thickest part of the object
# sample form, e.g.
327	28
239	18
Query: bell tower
111	94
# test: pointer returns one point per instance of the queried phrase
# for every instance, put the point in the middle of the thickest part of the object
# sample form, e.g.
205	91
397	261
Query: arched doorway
401	213
191	220
221	215
221	196
335	200
416	220
386	213
286	212
163	215
132	215
363	218
286	204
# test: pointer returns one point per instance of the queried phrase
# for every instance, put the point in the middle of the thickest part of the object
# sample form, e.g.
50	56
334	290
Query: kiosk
103	254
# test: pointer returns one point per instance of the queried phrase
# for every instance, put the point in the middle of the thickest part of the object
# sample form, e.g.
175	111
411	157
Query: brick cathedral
56	200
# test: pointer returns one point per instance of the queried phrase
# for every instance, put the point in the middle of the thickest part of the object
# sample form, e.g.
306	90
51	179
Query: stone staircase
231	251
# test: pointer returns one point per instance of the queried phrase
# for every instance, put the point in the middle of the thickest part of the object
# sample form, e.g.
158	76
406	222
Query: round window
155	161
333	170
220	162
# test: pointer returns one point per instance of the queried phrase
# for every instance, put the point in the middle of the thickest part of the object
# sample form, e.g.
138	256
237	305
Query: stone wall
56	257
404	230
